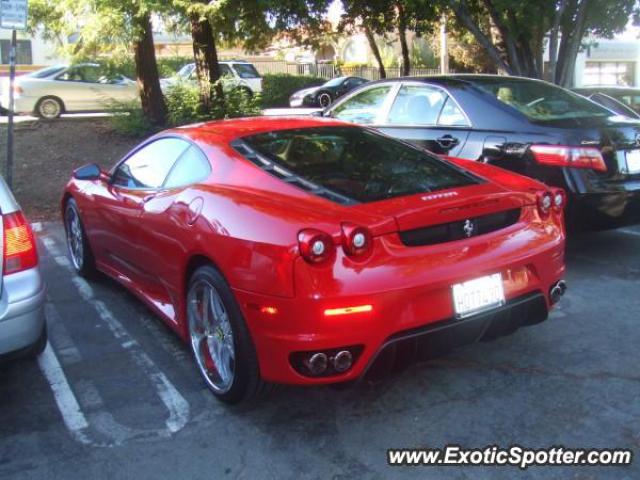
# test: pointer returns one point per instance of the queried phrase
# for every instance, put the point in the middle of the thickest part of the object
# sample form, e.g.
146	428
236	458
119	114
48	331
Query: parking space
117	393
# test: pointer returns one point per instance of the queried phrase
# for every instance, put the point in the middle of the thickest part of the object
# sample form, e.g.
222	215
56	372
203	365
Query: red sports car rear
308	251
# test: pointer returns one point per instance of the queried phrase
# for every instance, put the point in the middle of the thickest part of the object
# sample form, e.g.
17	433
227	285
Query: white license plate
633	161
478	295
295	103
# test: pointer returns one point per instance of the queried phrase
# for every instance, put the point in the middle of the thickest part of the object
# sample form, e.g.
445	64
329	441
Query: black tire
247	382
49	108
324	99
37	348
82	260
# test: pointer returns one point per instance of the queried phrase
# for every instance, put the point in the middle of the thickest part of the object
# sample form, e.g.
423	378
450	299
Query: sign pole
12	77
13	16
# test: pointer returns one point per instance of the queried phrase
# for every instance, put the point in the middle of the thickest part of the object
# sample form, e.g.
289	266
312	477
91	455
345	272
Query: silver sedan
23	328
52	91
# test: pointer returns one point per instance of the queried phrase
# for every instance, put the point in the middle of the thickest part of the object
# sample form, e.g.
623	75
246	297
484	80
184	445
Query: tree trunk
205	55
567	72
153	105
375	50
553	41
506	36
402	33
464	17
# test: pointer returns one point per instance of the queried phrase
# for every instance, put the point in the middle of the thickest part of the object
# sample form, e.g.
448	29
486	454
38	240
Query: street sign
13	14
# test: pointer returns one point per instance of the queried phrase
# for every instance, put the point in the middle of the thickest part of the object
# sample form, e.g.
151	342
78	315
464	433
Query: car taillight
563	156
559	199
315	246
19	244
545	203
17	90
356	241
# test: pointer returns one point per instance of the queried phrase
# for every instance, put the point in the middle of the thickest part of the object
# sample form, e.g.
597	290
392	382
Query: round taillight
357	241
545	202
315	246
559	199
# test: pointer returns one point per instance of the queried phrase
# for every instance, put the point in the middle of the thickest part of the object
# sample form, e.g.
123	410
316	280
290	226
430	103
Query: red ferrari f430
309	251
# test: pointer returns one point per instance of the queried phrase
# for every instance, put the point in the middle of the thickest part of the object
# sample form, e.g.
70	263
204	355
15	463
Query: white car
243	74
68	88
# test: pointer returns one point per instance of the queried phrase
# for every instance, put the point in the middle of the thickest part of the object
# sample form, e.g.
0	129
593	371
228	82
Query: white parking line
72	416
175	403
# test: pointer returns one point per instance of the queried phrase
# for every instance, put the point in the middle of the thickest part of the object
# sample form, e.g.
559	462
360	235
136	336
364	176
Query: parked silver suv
23	328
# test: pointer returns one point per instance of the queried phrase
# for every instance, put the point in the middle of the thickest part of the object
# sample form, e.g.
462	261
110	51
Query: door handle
146	198
447	142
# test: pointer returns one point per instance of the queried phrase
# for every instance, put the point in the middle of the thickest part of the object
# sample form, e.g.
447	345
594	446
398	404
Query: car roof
609	88
225	131
459	79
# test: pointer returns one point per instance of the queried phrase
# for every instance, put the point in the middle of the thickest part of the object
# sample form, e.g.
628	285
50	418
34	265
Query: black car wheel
219	338
77	243
324	99
49	108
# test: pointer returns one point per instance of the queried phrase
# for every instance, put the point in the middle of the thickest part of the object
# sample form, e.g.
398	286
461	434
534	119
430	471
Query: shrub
127	119
277	88
183	103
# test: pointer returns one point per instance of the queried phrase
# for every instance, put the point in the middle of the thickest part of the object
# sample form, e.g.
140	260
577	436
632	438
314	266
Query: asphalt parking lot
116	395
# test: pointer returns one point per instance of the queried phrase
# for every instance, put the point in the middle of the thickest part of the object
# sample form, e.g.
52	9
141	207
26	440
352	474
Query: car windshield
334	82
357	163
539	101
46	72
186	70
246	70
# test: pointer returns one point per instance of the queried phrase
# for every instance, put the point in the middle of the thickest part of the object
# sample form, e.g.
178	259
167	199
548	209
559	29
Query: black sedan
614	104
630	96
325	94
528	126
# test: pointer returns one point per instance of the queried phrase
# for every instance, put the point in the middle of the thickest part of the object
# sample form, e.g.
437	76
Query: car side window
192	167
86	73
148	167
363	107
451	115
73	74
417	104
225	70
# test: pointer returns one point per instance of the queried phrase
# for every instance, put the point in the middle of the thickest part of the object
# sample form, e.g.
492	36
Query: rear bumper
295	326
22	317
23	104
603	210
442	337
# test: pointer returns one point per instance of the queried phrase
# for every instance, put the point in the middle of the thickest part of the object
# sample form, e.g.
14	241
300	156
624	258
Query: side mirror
88	172
317	113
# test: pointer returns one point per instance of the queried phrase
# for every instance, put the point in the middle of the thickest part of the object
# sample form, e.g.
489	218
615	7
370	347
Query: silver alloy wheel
50	108
211	336
75	242
324	100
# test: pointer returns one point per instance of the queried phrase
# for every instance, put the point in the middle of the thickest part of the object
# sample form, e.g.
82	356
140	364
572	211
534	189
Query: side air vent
471	227
288	176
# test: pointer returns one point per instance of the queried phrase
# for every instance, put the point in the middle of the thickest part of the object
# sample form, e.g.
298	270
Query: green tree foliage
253	23
88	28
514	33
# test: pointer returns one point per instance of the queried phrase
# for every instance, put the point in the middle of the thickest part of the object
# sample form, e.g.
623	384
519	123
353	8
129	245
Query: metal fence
329	70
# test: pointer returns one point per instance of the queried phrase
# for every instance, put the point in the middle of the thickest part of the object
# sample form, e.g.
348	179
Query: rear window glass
356	163
45	72
541	102
246	70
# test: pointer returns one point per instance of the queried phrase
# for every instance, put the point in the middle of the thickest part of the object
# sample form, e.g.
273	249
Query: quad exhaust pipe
319	363
557	291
